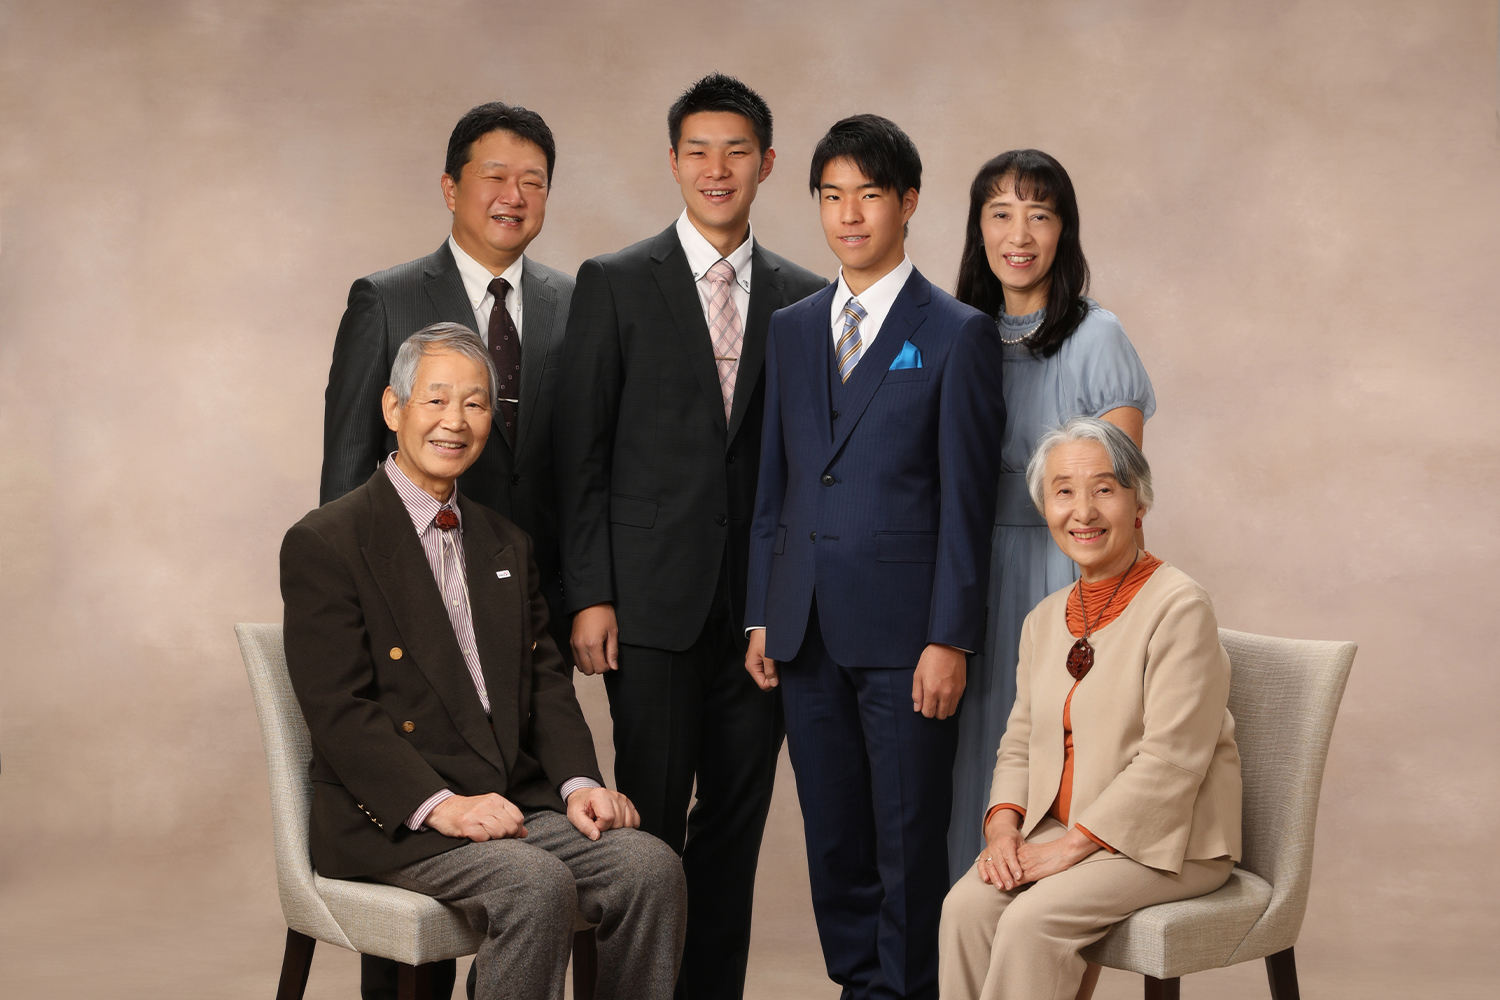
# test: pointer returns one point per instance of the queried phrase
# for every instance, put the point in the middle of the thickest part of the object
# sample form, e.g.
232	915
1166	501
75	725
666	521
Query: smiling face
443	426
719	165
1091	517
864	224
1020	241
500	201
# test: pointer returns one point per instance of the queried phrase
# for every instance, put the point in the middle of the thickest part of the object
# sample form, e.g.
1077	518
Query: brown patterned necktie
725	327
505	348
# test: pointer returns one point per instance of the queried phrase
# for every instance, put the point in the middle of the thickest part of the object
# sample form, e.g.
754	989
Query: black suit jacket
514	478
655	487
383	685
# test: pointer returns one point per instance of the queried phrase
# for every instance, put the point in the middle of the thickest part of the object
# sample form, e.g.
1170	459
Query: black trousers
697	715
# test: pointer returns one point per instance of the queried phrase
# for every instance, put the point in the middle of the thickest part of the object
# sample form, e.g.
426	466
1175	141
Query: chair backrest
288	746
1284	695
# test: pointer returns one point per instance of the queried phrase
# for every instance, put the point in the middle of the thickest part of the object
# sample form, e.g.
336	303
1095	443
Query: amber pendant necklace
1081	656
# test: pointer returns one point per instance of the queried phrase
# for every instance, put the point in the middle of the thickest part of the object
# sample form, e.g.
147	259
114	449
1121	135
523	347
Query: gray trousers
524	896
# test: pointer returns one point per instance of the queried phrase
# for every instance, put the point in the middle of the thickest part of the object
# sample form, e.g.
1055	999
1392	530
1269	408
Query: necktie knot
498	288
446	519
722	273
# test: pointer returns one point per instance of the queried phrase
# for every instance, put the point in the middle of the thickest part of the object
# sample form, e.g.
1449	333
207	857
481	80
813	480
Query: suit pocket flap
633	511
906	546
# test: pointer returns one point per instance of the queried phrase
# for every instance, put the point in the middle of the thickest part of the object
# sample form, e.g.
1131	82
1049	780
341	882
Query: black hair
717	92
497	116
877	146
1035	176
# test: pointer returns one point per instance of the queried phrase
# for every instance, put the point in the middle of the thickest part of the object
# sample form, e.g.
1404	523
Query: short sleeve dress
1095	371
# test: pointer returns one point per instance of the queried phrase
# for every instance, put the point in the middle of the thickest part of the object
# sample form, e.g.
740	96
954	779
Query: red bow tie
446	519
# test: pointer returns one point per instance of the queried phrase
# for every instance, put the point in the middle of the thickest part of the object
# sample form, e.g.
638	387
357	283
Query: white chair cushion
1174	939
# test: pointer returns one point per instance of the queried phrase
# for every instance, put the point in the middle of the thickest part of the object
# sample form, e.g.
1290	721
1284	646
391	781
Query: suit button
720	520
408	726
835	414
827	479
395	652
515	480
812	536
533	647
729	459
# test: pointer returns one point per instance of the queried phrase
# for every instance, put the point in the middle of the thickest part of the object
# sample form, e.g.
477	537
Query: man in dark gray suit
496	179
658	444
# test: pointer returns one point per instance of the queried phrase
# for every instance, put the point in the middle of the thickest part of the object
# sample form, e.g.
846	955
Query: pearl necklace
1009	342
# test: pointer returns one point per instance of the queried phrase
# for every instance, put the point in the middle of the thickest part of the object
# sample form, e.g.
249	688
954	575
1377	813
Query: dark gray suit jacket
387	696
516	479
655	486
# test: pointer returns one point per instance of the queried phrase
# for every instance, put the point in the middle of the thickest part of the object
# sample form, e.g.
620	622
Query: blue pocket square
909	357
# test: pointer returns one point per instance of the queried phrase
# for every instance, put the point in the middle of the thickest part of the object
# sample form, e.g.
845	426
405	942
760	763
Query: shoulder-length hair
1035	176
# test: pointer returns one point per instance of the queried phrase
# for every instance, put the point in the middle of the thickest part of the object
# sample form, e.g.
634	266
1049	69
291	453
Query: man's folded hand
477	818
594	810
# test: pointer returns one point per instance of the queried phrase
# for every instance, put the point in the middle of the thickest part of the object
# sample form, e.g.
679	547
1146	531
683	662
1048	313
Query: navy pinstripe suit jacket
884	511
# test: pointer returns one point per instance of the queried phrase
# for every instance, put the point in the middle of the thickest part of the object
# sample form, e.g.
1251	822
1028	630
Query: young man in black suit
657	445
495	181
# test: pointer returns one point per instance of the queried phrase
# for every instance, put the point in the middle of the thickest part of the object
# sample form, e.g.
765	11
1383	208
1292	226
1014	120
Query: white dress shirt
477	280
701	256
877	301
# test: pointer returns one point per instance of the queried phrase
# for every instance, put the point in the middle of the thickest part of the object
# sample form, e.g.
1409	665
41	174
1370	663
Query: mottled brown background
1293	207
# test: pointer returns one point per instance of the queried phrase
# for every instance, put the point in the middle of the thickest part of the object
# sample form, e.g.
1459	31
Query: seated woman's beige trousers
1025	944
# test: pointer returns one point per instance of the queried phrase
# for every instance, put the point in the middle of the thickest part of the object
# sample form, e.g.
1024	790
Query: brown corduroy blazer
1156	773
383	685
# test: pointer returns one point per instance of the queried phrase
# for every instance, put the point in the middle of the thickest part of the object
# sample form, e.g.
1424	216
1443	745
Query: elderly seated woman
1117	783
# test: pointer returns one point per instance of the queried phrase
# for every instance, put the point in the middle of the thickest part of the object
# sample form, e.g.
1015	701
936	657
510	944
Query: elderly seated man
450	756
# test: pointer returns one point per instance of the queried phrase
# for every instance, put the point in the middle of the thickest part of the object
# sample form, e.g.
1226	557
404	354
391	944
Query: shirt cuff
1085	831
573	784
996	808
416	820
753	628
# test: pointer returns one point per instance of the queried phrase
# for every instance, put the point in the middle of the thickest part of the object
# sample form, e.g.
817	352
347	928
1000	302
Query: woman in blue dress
1065	356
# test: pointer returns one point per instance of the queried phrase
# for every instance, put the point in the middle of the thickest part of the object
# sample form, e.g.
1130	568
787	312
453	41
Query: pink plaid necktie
725	328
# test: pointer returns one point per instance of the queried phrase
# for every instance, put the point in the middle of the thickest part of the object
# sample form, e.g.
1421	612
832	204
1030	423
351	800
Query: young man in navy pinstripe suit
869	559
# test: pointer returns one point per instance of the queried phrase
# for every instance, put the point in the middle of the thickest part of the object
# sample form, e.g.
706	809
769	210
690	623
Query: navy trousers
875	781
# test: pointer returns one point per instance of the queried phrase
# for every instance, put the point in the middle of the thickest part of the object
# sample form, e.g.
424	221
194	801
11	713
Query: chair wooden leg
1281	971
413	982
585	964
295	965
1163	989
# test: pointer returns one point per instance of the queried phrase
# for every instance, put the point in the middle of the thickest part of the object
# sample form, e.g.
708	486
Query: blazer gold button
533	645
408	726
395	652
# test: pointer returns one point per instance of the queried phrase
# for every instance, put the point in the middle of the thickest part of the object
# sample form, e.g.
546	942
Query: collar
878	298
477	277
420	505
701	254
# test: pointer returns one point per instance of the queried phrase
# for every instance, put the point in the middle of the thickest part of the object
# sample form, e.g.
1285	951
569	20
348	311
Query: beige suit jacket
1156	773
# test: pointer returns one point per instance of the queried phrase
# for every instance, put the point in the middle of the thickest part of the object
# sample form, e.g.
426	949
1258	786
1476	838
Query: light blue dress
1095	371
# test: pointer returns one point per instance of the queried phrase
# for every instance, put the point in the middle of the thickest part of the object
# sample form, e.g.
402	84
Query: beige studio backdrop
1294	208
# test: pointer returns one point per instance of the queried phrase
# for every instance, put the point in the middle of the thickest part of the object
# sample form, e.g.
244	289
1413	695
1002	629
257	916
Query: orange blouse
1093	594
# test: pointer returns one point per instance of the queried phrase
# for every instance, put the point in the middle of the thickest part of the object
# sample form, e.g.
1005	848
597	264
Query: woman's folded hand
1040	860
998	863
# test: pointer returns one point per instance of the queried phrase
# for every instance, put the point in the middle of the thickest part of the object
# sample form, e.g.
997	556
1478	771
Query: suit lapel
395	558
538	307
445	290
907	313
766	296
499	605
676	281
816	343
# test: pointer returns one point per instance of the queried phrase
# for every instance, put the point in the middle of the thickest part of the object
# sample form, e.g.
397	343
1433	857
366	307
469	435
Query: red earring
1137	522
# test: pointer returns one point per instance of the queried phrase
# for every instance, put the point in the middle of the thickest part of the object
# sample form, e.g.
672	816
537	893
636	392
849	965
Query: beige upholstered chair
1284	694
412	929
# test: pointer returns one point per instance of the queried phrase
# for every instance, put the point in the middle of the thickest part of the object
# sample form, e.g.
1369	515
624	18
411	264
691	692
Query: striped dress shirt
445	557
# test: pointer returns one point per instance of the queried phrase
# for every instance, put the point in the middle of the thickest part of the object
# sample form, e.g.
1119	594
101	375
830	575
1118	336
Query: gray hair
439	338
1131	469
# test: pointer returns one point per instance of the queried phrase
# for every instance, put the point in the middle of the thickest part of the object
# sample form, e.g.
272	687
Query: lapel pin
503	574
